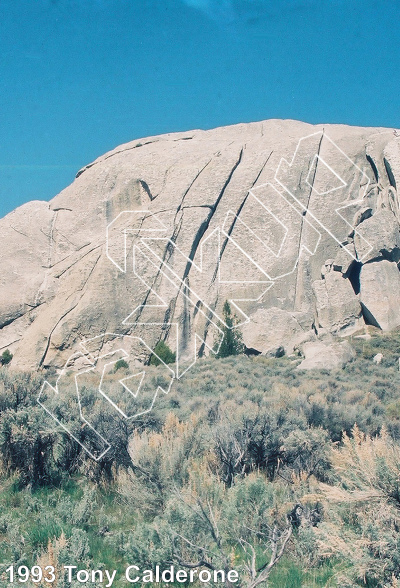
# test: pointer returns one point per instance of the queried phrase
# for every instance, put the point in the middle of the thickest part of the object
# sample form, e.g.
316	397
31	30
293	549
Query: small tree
232	342
6	357
162	352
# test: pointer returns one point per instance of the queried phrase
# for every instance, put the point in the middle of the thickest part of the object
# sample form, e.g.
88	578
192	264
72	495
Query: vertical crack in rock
66	313
206	223
171	307
198	237
215	304
239	210
164	182
52	331
169	313
166	255
168	252
302	222
191	185
90	273
212	306
51	239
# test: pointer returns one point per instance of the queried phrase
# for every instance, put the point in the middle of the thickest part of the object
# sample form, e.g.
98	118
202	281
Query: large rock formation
152	238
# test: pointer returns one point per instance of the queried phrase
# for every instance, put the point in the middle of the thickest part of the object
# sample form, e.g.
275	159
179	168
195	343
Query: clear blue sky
79	77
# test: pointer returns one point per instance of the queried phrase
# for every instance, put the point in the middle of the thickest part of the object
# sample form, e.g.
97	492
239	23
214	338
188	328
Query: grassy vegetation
241	455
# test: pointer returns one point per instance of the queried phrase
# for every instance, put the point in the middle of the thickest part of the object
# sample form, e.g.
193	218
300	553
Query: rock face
319	355
152	238
337	305
380	293
379	237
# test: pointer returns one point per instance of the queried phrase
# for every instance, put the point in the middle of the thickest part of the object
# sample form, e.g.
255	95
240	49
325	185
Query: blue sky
79	77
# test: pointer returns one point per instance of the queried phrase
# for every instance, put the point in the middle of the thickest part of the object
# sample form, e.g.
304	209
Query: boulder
343	262
274	331
328	356
338	309
380	294
381	237
362	215
277	352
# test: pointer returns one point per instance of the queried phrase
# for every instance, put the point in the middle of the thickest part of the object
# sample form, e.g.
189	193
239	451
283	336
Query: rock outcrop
337	306
152	238
380	294
319	355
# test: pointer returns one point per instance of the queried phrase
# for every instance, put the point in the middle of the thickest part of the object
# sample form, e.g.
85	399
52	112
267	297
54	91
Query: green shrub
79	547
121	365
44	530
6	357
162	352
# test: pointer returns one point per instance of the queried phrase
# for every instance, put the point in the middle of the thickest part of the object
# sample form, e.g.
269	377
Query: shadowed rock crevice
389	172
368	317
373	167
354	276
146	188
